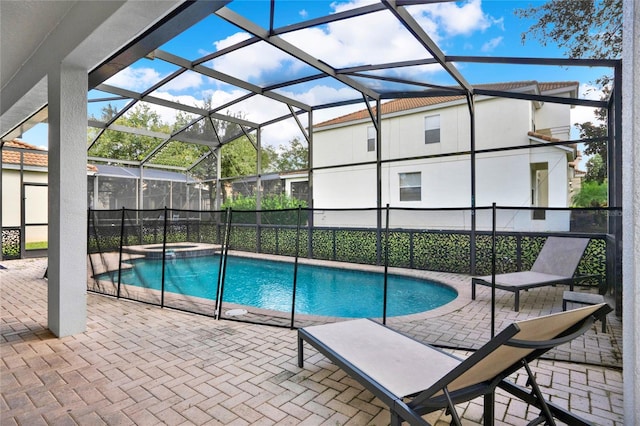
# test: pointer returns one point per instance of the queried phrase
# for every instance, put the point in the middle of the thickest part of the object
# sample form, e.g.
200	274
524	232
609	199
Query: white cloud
249	63
303	13
491	44
136	79
231	40
352	42
458	20
168	115
582	114
186	80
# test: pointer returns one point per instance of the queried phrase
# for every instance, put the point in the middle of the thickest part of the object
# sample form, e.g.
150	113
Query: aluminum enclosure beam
414	28
243	23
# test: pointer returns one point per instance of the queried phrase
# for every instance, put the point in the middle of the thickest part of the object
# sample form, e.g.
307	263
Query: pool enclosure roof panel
214	71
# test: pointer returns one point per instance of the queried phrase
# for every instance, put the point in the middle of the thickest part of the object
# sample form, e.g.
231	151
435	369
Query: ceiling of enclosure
215	71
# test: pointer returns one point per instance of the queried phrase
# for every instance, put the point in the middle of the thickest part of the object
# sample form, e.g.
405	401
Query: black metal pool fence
456	240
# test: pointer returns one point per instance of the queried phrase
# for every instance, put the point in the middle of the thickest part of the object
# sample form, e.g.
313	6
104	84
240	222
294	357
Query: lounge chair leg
489	409
517	302
473	289
546	412
300	355
455	419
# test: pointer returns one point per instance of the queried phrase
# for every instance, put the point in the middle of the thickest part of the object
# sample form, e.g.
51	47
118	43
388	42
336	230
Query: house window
371	139
410	186
432	129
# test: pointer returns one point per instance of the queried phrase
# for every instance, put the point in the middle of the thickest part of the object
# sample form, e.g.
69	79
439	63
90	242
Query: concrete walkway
140	364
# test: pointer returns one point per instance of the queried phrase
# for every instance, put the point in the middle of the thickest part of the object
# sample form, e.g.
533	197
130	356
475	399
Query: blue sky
471	27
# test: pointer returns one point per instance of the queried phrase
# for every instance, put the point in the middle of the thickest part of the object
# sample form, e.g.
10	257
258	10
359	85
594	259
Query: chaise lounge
556	264
414	379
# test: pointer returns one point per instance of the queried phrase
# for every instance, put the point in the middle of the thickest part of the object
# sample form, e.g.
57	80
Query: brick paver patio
140	364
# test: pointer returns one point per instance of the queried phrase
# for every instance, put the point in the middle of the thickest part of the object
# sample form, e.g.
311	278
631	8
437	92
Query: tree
239	158
596	170
293	157
128	146
585	29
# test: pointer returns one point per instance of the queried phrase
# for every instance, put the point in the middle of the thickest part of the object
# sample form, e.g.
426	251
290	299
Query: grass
36	245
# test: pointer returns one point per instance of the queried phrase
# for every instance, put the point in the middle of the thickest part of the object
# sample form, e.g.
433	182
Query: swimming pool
267	284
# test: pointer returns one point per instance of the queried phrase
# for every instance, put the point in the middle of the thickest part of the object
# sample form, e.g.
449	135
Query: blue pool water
269	285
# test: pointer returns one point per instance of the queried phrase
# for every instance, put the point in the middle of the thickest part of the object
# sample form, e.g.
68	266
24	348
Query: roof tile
406	104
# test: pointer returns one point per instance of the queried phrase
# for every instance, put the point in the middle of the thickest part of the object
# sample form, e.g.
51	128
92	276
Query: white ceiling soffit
36	36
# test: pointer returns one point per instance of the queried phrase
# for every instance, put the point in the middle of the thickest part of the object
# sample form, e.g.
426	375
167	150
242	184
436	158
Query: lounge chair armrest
546	344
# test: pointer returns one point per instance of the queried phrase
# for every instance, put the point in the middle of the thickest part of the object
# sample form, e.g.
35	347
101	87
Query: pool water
269	284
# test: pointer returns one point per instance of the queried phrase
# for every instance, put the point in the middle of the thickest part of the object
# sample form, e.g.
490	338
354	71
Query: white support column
631	211
67	275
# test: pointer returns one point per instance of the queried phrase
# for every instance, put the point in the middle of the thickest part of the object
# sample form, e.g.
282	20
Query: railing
123	242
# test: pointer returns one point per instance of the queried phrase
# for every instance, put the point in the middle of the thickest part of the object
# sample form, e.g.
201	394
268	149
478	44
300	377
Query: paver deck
140	364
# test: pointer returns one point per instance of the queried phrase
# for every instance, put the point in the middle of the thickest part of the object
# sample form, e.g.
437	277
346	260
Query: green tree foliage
239	158
295	156
585	29
128	146
592	194
596	170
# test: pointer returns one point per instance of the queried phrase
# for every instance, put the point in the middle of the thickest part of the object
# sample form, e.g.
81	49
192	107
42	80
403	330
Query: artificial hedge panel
243	238
400	250
210	233
441	252
269	241
287	242
594	260
11	243
356	246
530	247
323	241
506	254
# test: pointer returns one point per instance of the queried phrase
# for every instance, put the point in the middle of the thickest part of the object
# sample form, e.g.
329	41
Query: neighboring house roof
32	155
134	173
543	137
406	104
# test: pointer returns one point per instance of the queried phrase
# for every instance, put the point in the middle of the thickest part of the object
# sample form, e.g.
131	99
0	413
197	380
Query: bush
289	205
592	194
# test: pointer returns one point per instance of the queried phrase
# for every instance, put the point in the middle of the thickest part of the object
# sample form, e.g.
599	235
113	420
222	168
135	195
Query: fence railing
155	255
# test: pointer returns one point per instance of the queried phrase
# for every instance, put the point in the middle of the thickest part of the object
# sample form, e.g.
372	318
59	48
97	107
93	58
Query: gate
34	219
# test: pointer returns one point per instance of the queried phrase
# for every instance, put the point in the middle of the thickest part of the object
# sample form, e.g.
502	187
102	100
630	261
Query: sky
470	27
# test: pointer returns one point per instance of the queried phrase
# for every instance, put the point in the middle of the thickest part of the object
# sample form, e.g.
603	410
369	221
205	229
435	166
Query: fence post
493	271
164	255
386	267
93	269
120	251
224	251
295	269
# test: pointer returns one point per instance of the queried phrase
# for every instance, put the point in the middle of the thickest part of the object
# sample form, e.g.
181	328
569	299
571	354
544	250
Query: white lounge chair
556	264
414	379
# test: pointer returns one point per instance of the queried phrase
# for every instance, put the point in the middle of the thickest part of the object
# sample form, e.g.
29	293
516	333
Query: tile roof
33	156
406	104
543	136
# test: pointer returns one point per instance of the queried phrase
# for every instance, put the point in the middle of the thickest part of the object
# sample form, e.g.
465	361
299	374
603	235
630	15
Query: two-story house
425	155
